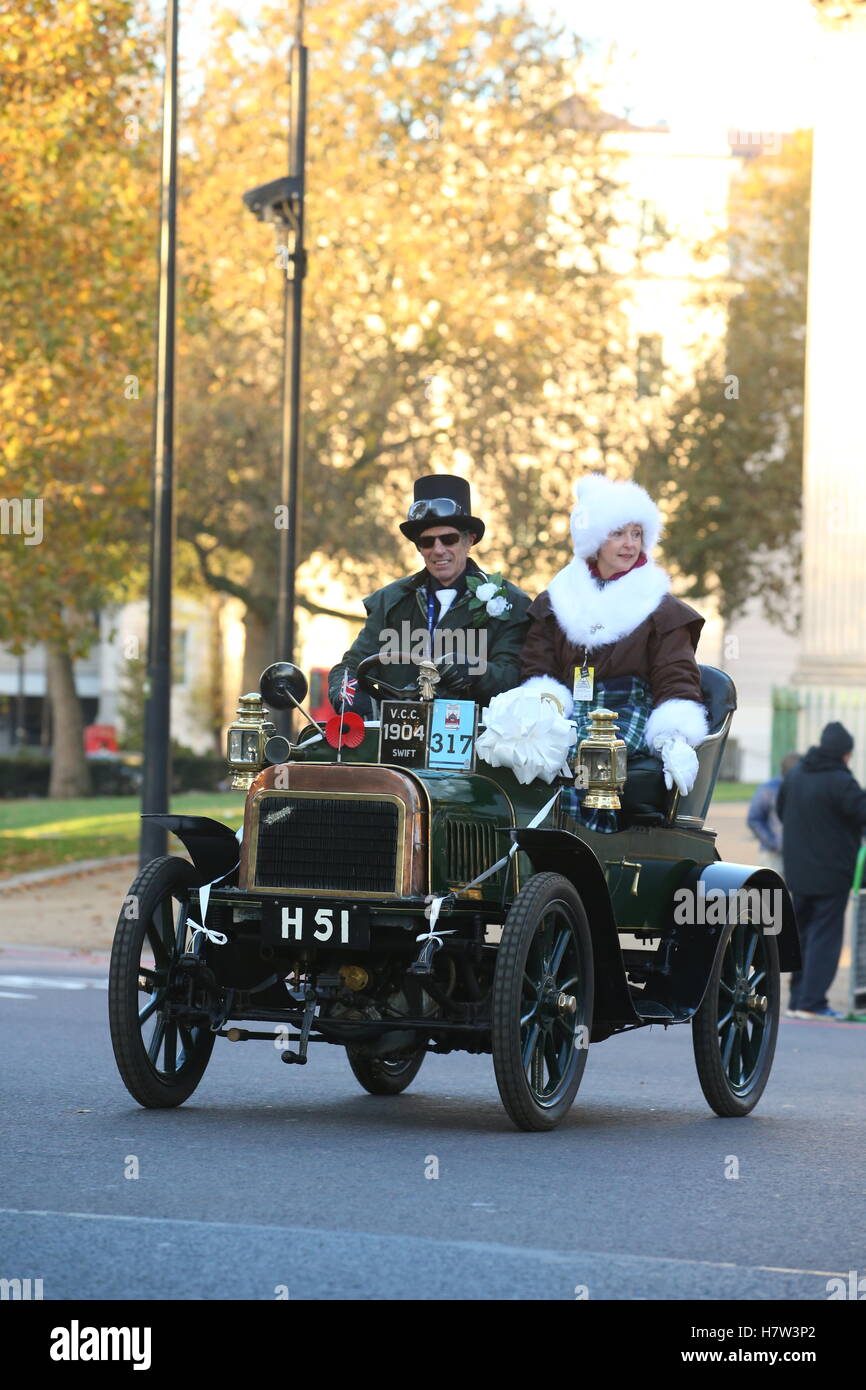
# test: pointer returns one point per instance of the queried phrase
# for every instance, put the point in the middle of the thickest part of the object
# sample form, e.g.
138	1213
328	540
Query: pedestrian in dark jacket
823	813
472	626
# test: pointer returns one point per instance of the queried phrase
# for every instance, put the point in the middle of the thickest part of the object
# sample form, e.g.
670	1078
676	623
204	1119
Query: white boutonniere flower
489	598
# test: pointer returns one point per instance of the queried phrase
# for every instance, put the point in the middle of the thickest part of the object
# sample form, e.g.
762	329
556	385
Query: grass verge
39	834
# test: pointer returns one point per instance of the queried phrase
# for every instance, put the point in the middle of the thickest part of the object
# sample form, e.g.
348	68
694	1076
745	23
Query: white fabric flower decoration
485	591
495	606
527	733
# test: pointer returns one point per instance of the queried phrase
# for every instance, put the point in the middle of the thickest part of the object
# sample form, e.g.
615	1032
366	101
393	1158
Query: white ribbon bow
216	938
435	903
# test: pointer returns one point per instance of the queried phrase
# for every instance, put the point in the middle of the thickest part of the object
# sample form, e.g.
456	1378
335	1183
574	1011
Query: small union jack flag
348	690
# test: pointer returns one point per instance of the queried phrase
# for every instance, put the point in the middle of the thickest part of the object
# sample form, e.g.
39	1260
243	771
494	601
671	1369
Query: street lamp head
277	201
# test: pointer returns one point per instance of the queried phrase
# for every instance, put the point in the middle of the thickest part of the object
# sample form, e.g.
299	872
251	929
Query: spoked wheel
386	1076
160	1060
542	1002
734	1030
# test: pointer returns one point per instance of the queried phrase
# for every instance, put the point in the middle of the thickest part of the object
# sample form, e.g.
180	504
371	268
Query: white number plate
310	924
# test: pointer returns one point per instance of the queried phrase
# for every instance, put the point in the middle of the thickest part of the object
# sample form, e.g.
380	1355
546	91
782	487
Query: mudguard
682	989
728	876
563	853
212	846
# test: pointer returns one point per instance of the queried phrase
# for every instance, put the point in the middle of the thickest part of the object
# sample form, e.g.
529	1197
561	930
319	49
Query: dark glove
455	680
362	704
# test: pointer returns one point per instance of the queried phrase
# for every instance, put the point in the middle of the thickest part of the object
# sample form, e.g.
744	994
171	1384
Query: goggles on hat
434	506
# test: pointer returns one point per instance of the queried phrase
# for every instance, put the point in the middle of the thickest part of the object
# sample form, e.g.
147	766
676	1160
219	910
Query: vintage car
401	896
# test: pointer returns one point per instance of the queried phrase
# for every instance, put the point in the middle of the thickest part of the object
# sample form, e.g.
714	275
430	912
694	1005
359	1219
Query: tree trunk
70	775
258	649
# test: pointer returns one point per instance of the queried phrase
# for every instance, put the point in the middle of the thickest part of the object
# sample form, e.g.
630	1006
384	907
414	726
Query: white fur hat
604	505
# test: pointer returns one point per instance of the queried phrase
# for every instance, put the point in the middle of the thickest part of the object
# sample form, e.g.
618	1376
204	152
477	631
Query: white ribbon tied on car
434	903
680	763
528	733
216	938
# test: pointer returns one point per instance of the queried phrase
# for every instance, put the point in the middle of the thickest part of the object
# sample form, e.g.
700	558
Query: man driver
430	610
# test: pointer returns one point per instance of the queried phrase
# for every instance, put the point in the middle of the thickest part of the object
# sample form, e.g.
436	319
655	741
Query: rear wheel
734	1030
160	1060
386	1076
542	1002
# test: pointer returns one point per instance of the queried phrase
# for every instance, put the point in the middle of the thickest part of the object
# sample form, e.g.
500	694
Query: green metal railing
800	713
785	736
857	973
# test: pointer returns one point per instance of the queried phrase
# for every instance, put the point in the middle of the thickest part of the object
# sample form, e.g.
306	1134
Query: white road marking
8	994
492	1247
54	982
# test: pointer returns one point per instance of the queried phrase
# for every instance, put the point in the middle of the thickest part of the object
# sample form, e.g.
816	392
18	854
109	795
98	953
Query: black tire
545	951
735	1039
145	946
386	1076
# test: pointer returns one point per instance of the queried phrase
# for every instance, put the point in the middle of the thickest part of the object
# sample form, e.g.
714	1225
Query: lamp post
157	712
281	202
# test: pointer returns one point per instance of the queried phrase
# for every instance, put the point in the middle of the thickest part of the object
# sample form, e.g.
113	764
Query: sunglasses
427	542
434	506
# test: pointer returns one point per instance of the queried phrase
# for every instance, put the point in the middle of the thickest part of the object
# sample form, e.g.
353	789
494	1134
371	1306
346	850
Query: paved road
275	1180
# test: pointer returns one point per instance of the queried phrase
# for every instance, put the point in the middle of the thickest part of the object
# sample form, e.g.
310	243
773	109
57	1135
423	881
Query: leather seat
646	800
720	696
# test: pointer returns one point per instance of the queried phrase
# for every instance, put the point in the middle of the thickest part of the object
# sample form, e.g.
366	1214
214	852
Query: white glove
527	733
680	763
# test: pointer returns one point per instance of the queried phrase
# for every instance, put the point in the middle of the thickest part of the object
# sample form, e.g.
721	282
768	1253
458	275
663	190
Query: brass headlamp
246	741
601	762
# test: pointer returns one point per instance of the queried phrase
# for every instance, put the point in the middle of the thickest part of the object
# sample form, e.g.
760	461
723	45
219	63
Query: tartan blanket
631	697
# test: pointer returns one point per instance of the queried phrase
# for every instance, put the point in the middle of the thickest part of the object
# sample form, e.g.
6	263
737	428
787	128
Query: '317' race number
451	743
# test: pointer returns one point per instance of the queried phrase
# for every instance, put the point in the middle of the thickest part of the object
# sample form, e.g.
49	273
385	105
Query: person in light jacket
763	818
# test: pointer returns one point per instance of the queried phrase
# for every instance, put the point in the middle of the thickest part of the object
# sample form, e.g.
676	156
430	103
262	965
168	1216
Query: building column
833	638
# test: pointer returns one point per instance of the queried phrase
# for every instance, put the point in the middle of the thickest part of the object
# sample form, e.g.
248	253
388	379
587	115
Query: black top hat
441	500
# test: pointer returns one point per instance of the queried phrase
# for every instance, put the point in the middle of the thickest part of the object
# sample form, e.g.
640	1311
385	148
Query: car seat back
720	699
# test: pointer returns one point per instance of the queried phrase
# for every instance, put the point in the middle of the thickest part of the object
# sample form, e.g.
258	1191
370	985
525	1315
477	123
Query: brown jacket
661	649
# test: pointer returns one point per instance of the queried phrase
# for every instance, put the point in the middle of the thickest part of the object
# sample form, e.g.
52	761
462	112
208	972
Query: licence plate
311	923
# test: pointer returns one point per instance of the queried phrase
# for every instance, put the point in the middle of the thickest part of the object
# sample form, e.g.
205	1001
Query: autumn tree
728	459
77	254
461	311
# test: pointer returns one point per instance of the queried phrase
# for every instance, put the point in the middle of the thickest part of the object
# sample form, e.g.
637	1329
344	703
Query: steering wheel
379	689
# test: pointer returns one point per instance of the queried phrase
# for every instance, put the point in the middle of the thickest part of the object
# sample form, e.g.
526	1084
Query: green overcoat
400	609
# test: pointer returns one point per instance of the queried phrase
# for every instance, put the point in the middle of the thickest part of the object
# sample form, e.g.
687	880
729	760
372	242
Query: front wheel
734	1030
386	1076
160	1060
542	1002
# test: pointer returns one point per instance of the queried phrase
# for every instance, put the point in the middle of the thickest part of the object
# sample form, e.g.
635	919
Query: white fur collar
591	617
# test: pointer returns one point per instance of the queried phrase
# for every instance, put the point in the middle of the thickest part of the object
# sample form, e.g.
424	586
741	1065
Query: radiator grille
470	847
337	843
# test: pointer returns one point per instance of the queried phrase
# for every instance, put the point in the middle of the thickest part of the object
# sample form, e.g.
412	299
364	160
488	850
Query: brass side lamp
246	741
601	762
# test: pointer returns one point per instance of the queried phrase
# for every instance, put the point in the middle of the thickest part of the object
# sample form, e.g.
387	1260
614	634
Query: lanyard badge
583	684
